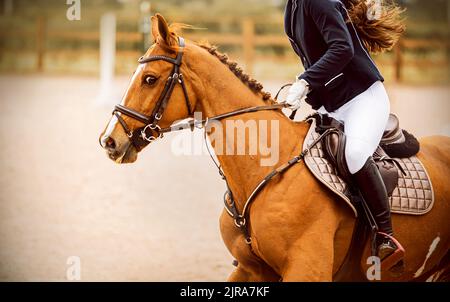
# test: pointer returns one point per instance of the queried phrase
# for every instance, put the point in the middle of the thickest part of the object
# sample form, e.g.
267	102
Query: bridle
141	137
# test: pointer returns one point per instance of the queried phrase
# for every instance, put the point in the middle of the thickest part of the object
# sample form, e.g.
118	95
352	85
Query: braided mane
253	84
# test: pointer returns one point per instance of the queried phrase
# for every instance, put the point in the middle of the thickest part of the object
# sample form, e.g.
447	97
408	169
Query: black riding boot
373	190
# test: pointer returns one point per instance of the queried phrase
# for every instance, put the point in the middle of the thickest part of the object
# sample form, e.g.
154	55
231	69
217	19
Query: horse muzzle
119	153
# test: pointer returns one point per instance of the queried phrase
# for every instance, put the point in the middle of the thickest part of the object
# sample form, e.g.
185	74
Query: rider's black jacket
338	66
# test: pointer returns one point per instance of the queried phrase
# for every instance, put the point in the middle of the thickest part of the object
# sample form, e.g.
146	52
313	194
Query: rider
333	39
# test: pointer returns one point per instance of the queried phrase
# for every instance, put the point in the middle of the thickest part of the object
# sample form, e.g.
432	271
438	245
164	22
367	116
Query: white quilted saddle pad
413	196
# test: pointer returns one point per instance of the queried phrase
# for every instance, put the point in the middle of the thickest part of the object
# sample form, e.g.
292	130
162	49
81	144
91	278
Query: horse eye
150	80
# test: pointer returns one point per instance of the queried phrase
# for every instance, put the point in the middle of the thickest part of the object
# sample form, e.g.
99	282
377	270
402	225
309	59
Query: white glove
297	93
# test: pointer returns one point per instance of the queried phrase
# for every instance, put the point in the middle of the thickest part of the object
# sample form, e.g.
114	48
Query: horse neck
224	92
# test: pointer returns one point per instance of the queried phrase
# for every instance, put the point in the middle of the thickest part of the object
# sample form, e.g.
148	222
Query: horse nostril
110	143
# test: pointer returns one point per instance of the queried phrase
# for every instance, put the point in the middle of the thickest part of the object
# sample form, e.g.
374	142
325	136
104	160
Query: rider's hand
297	93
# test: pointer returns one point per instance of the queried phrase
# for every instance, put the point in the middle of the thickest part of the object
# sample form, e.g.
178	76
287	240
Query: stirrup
395	258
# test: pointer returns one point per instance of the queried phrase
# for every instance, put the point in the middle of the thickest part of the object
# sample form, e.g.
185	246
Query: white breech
364	118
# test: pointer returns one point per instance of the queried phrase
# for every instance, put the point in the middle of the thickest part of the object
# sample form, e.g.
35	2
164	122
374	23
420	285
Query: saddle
406	179
334	147
407	182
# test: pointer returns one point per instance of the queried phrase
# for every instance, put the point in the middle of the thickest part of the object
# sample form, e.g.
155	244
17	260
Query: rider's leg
364	122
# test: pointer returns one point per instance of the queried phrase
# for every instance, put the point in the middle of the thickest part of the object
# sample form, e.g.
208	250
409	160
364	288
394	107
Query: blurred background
38	37
62	68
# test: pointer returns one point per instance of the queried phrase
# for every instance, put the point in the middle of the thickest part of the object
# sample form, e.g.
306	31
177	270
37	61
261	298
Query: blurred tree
436	10
230	7
427	10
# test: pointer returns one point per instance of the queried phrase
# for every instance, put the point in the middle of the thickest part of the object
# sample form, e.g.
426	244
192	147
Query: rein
200	123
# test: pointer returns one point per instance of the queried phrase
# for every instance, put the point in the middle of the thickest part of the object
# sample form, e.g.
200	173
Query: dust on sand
155	220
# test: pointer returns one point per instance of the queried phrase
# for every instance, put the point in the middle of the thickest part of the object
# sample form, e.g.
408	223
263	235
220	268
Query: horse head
160	92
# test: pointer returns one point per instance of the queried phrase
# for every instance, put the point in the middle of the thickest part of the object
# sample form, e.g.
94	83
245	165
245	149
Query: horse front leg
239	275
311	256
310	261
250	268
258	272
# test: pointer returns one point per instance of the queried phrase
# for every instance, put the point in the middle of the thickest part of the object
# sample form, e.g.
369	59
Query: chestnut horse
300	230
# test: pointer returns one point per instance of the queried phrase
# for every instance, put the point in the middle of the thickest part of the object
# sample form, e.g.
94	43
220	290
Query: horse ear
160	28
155	30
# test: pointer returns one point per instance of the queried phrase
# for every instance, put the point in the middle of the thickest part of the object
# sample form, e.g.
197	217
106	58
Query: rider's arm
330	22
